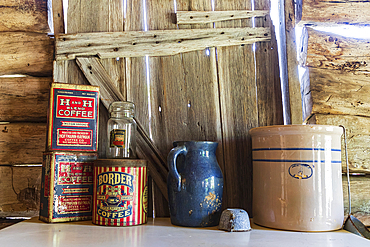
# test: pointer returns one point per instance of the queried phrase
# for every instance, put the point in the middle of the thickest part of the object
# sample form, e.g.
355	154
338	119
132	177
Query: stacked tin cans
72	144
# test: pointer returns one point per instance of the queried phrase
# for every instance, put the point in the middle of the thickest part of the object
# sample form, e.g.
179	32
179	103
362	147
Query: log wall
336	87
26	49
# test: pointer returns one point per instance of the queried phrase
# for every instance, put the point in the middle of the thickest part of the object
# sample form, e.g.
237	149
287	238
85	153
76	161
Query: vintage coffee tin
120	192
73	118
67	186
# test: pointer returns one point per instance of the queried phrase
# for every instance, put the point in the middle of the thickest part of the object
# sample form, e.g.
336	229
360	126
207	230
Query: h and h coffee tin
67	186
120	192
73	118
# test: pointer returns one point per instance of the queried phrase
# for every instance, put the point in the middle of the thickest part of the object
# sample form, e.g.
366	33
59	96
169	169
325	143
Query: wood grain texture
153	43
307	103
20	191
330	51
360	201
22	143
292	63
26	53
177	94
98	76
24	99
239	111
58	16
347	11
201	17
24	15
339	92
270	108
139	87
95	16
358	139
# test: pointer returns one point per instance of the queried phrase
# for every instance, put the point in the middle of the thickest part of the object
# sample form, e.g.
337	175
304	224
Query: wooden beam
340	92
22	143
26	53
358	139
24	15
201	17
295	98
332	51
348	11
58	17
153	43
20	191
24	99
97	75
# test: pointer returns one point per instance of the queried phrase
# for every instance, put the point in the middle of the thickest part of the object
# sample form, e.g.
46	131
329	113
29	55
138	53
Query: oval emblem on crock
300	171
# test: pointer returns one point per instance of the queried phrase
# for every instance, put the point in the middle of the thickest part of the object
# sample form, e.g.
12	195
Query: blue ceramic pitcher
195	184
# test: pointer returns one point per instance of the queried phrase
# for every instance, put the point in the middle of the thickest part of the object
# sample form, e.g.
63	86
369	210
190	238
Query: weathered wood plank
201	17
358	139
331	51
239	111
97	76
58	16
154	42
20	191
360	200
24	15
269	98
347	11
292	63
24	99
339	92
139	87
95	16
26	53
22	143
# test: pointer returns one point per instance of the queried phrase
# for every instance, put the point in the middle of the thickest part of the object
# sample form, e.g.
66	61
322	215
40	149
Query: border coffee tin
120	192
73	118
67	186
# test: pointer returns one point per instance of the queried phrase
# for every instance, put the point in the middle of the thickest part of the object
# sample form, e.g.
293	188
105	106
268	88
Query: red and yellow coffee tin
120	192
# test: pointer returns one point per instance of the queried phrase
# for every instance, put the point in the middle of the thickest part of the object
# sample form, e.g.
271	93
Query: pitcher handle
171	161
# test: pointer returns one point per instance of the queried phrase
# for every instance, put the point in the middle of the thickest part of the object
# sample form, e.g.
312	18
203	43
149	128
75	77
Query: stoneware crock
297	177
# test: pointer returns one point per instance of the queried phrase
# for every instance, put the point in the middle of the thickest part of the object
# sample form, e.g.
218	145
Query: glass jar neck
122	114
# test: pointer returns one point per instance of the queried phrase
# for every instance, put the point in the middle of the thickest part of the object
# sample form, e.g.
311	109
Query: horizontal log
26	53
154	43
201	17
24	99
347	11
20	191
331	51
358	139
24	15
360	200
22	143
339	92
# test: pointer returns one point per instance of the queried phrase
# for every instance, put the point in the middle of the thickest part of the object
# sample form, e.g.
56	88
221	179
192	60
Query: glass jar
121	132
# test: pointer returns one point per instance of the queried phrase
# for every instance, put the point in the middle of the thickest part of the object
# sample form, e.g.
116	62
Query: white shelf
160	232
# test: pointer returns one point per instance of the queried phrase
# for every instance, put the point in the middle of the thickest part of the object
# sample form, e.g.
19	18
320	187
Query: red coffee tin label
71	204
75	107
71	173
71	137
67	186
73	117
120	196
